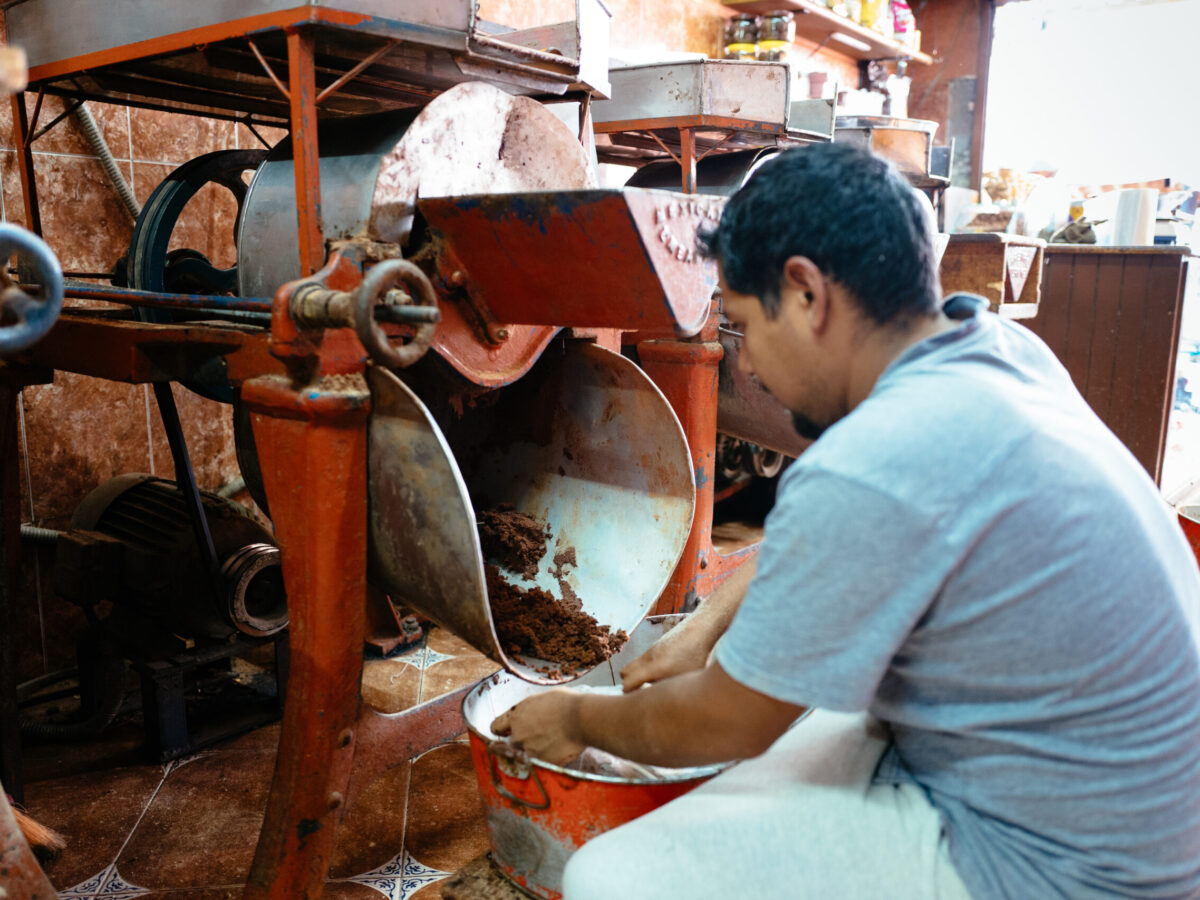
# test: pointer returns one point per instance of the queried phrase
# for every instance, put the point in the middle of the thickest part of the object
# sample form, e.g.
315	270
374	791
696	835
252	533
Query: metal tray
725	104
203	56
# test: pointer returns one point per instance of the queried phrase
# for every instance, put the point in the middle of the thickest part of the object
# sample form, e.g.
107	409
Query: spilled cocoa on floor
532	621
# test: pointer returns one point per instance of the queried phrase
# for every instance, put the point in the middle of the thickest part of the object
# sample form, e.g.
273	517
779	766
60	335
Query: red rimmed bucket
539	814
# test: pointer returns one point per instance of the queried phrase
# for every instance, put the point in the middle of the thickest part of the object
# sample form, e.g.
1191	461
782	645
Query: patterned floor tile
400	877
373	830
448	642
202	826
454	672
446	827
348	890
391	685
108	885
95	812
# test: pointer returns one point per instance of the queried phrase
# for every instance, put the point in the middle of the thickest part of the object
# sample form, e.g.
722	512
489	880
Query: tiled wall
79	431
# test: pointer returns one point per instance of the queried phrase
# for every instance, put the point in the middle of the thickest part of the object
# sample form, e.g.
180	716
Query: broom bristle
37	834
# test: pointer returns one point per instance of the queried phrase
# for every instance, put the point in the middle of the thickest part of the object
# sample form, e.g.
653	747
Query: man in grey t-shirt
967	576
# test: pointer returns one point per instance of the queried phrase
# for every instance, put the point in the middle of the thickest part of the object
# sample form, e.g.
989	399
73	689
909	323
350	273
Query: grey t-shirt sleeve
845	572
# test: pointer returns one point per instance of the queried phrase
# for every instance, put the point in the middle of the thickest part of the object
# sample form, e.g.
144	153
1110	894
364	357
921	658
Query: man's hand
686	647
676	652
546	726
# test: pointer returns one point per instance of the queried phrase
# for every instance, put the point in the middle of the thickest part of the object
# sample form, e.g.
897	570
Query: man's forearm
718	609
694	719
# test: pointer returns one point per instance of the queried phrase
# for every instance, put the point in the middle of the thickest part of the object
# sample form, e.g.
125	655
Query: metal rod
362	65
132	297
687	153
715	146
33	216
666	149
254	131
37	111
91	131
271	72
62	115
11	772
305	157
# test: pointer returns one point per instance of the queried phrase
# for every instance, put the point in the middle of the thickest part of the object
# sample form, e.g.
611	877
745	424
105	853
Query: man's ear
803	281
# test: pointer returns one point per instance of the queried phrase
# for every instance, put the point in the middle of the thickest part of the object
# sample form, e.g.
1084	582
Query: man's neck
881	345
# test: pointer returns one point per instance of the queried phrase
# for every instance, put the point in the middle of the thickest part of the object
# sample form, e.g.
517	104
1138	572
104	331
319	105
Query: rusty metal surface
628	257
179	54
754	93
474	139
22	876
314	472
585	431
138	352
384	740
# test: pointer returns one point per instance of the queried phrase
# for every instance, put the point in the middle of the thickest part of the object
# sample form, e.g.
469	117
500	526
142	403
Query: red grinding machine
435	311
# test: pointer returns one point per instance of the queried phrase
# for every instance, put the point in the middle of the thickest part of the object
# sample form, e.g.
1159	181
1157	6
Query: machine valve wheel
24	319
380	298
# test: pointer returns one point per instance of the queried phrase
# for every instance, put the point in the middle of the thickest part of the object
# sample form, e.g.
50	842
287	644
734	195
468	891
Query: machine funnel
584	443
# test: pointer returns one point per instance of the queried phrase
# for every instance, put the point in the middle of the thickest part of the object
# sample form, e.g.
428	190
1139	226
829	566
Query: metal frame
312	434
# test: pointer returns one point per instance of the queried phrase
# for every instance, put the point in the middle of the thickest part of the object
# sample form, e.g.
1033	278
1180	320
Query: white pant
802	820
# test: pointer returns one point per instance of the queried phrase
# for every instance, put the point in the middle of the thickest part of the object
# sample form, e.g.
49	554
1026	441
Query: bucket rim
689	773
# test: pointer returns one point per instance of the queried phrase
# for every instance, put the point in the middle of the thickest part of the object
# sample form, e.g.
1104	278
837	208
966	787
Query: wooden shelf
817	23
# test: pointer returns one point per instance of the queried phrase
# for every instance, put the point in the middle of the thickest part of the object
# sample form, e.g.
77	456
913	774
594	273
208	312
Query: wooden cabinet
1112	316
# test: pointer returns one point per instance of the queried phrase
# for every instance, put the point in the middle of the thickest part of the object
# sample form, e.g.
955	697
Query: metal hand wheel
371	302
24	320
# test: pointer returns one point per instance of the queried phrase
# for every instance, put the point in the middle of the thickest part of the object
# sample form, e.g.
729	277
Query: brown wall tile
208	431
246	139
67	136
83	219
81	431
175	138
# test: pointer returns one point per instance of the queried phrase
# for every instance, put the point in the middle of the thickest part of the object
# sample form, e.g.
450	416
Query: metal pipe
132	297
400	315
87	124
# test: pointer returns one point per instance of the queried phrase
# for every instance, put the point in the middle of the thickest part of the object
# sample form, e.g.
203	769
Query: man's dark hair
848	211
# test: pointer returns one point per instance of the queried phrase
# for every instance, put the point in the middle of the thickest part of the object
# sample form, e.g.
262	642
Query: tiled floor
187	830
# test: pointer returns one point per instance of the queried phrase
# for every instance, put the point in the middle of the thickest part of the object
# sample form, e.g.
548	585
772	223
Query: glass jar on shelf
741	37
776	31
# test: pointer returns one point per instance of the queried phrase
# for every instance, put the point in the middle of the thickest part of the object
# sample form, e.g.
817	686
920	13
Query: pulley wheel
152	267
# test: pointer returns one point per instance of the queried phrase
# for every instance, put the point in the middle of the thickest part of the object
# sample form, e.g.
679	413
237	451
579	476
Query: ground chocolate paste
513	539
532	621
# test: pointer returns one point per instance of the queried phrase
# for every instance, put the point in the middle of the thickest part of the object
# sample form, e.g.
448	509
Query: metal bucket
539	814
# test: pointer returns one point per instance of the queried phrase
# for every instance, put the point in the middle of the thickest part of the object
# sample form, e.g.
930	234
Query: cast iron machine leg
311	432
687	372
